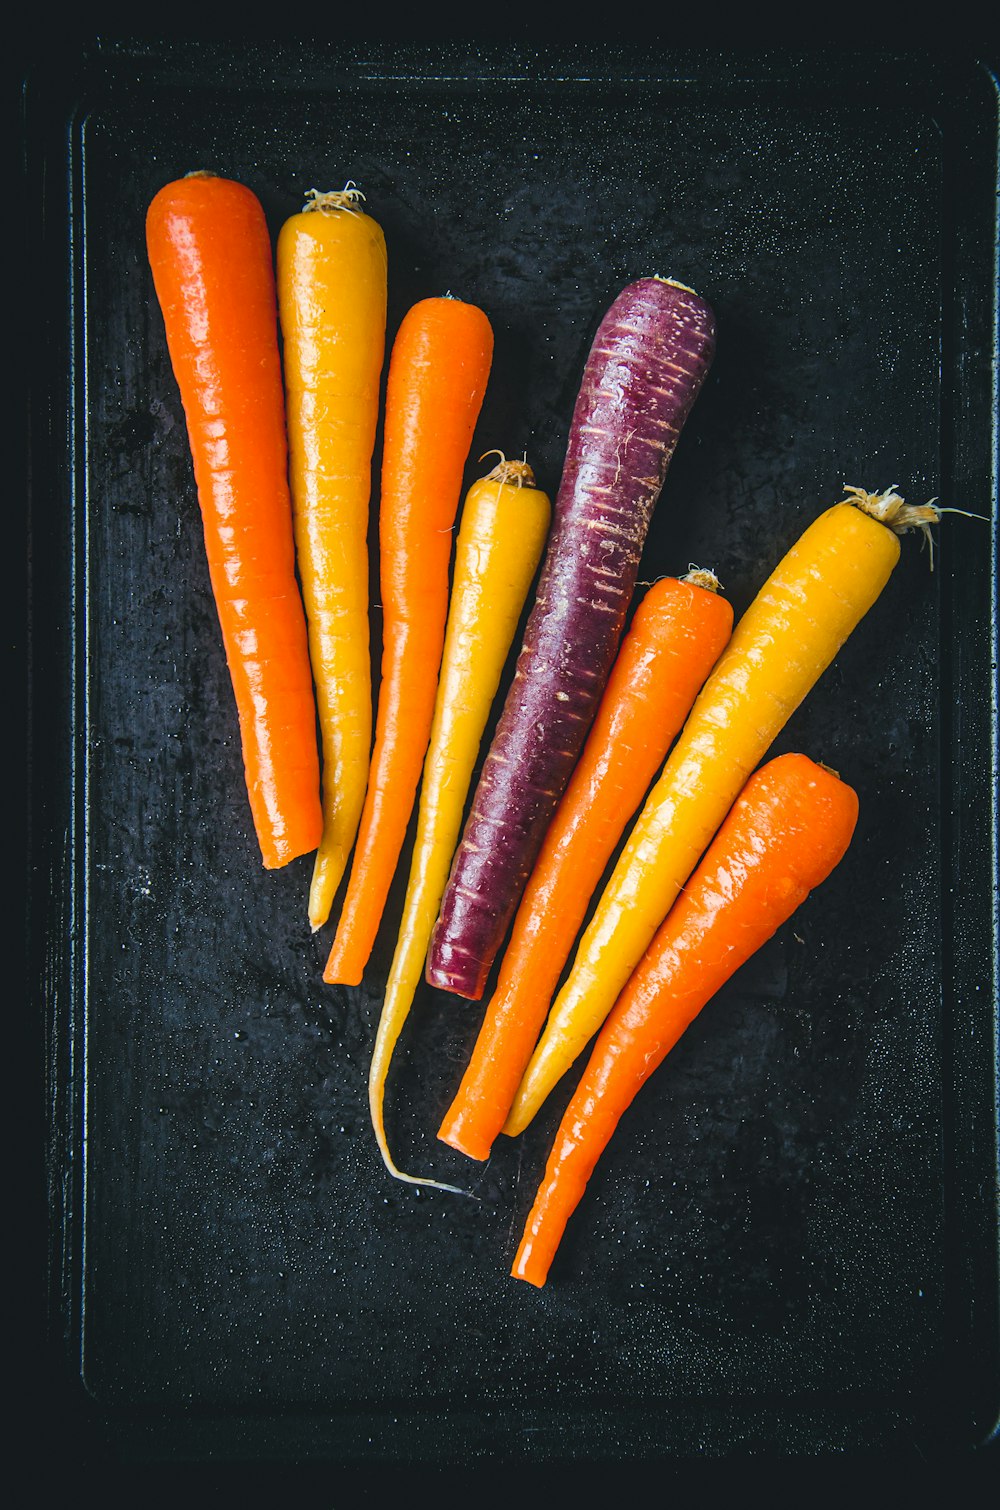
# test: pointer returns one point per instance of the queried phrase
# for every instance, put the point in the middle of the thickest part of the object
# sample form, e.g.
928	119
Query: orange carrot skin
210	254
677	634
786	832
438	371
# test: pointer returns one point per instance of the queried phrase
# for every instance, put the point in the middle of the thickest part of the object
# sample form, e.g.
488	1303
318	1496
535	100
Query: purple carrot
648	361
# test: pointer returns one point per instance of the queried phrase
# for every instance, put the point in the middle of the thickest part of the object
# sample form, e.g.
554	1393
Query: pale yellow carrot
503	527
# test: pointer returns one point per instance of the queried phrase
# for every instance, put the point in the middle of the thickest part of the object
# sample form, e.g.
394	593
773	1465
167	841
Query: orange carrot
785	833
677	634
210	255
438	371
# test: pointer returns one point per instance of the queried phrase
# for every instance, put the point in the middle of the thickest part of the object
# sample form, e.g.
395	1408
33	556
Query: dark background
824	1164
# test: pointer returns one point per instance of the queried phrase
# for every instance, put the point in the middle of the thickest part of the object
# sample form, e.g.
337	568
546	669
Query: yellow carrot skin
503	527
332	271
784	642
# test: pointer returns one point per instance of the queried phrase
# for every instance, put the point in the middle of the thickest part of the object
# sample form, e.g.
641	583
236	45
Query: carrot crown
516	472
685	288
891	510
348	198
700	576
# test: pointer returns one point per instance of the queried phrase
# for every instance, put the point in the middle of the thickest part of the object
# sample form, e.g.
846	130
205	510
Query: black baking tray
789	1249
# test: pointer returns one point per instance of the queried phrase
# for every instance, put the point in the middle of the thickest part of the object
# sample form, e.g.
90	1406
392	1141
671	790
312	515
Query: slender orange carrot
504	523
438	372
676	636
210	255
331	265
788	636
788	829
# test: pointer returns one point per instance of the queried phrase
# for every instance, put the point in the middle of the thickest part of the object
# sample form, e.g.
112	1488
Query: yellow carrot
503	527
784	642
331	268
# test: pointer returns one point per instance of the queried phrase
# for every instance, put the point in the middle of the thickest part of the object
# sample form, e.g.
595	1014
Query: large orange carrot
210	254
677	634
438	371
787	830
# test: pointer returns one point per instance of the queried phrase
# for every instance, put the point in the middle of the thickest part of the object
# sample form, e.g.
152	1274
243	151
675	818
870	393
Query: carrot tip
337	977
521	1268
450	1134
416	1179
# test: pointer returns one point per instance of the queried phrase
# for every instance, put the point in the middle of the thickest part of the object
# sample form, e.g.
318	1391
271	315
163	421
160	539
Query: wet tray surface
789	1245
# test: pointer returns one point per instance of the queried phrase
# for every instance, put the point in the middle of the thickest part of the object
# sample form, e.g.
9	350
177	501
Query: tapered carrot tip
458	1135
458	970
337	974
530	1264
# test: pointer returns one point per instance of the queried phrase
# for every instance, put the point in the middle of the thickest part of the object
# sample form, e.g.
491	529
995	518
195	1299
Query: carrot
786	639
331	265
438	372
787	830
503	528
645	368
676	636
210	255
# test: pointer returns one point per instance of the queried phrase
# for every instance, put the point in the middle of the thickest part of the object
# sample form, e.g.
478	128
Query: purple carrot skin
646	366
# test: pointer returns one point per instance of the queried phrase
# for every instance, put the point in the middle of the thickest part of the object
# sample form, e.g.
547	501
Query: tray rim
95	76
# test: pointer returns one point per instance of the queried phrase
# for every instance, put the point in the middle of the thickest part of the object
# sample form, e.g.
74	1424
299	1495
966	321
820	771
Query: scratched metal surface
789	1245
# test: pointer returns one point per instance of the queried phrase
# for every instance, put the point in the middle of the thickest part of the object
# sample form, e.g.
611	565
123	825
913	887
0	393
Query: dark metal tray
790	1246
